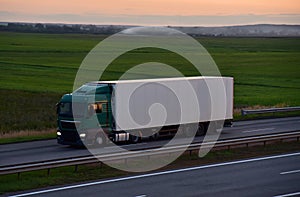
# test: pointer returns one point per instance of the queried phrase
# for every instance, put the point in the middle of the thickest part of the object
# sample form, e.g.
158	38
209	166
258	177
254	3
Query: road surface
265	176
19	153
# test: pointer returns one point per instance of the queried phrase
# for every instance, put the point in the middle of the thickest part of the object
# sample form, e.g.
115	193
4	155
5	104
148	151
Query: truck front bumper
69	138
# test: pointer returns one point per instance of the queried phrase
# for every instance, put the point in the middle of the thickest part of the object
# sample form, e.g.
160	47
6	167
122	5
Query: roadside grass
237	112
37	69
67	175
28	135
22	110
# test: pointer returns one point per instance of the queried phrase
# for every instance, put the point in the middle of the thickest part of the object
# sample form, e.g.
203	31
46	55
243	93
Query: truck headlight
82	135
58	133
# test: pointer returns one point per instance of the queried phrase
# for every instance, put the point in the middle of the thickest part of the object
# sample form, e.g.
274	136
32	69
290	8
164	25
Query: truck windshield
65	109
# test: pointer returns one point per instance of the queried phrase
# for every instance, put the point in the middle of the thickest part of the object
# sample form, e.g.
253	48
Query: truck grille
71	136
69	124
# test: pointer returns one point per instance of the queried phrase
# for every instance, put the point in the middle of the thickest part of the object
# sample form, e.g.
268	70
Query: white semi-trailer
129	110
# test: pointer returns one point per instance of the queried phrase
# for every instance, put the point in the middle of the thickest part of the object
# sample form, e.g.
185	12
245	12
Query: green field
37	69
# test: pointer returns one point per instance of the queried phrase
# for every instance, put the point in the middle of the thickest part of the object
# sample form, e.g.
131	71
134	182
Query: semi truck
130	110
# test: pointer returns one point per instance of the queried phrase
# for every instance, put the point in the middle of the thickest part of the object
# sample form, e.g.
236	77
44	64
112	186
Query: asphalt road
265	176
18	153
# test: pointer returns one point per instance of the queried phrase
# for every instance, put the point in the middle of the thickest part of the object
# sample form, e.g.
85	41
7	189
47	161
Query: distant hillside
261	30
246	30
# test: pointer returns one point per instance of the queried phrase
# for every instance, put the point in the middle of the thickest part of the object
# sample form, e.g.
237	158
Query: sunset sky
153	12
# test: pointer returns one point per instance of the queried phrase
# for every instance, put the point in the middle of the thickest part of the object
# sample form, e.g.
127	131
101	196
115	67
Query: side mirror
57	107
91	110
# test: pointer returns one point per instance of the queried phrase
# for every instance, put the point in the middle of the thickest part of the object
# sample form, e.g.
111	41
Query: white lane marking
255	130
290	194
290	172
157	174
143	195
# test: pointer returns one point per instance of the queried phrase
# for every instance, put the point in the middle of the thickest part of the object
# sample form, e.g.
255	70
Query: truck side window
65	108
97	108
91	110
94	108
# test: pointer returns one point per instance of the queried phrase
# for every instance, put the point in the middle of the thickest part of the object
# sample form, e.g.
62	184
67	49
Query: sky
152	12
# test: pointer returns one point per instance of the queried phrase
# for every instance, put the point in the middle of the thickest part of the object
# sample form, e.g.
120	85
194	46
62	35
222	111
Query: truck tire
99	140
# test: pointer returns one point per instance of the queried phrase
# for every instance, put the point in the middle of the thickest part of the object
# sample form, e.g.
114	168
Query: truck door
103	113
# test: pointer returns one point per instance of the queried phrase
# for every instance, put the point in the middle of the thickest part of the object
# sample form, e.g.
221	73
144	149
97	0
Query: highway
18	153
265	176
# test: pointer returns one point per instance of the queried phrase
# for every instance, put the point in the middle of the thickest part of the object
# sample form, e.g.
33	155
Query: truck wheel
134	139
99	140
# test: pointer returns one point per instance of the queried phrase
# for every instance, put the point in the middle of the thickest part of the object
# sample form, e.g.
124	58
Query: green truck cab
91	121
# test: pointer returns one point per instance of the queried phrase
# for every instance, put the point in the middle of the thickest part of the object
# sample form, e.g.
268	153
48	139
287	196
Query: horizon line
148	25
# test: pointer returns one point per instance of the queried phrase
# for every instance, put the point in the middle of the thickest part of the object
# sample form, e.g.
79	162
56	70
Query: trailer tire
215	127
189	130
202	128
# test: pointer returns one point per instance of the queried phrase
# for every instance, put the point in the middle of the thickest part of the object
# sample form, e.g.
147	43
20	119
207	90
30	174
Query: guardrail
270	110
149	152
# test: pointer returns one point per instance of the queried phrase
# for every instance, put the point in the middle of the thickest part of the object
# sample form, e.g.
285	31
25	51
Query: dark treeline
61	28
260	30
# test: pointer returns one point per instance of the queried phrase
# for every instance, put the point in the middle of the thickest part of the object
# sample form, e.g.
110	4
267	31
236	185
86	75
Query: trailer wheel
215	127
201	129
189	130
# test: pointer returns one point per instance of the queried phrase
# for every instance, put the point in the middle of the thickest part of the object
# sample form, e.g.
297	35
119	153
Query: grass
27	135
37	69
66	175
63	175
23	110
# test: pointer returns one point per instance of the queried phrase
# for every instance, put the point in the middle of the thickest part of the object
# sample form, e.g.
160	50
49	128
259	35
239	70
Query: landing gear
134	139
